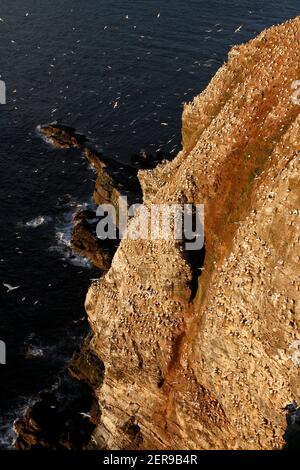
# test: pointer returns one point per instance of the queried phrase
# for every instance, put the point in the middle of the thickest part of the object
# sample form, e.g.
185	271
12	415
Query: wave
38	221
63	236
35	348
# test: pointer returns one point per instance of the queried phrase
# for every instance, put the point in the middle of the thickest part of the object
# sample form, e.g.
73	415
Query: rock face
112	182
113	179
208	358
84	240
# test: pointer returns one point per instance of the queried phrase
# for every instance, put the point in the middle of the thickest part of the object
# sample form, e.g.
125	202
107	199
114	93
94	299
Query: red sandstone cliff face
212	367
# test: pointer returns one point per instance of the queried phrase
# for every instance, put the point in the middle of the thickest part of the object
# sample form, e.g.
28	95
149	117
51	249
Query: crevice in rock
138	354
161	380
196	260
194	256
133	431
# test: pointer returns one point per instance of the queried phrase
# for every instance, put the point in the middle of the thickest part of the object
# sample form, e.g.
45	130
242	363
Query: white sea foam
63	235
34	351
38	221
43	136
35	348
7	433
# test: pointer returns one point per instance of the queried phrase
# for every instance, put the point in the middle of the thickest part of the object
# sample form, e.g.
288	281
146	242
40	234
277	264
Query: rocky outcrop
113	179
205	354
85	242
60	419
60	136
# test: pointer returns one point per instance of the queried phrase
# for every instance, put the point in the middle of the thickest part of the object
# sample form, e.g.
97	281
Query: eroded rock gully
214	372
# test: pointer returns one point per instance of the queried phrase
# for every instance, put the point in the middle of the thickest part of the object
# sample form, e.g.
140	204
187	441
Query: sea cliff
211	362
202	351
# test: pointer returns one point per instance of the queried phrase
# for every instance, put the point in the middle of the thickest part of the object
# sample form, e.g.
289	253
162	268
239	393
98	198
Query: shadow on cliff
292	432
196	260
195	256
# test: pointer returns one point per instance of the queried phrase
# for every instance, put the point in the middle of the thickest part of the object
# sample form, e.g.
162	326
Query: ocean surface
119	71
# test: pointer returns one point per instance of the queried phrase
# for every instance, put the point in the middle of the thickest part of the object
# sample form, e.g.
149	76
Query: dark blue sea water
119	71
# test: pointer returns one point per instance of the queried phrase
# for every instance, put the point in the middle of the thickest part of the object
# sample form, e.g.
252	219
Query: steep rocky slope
205	355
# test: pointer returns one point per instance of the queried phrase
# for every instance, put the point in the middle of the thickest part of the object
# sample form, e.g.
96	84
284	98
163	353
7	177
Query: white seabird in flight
238	29
10	287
